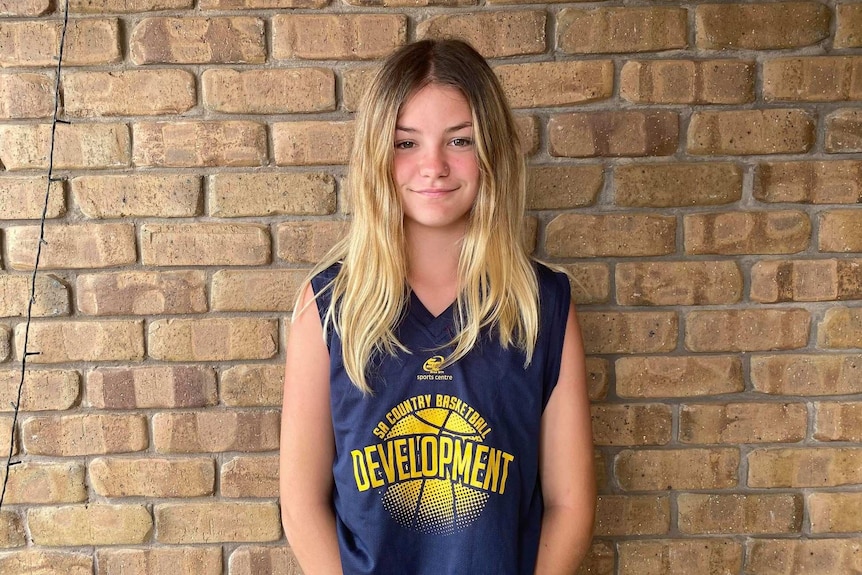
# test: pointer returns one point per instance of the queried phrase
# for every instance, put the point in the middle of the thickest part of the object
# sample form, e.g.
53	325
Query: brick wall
695	165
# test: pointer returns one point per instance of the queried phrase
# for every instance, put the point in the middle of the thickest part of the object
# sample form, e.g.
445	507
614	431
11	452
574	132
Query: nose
434	163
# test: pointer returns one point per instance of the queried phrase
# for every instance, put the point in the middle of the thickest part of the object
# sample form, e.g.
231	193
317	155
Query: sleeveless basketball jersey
436	473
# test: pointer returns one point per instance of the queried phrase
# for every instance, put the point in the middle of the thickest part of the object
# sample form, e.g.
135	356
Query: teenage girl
435	416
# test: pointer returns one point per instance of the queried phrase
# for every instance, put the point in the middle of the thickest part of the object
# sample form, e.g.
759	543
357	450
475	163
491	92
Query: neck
433	257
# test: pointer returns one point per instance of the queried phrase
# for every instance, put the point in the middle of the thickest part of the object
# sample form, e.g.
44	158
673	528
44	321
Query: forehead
434	100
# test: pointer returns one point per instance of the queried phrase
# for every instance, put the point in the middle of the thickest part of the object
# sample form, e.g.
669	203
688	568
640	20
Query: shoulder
323	279
553	283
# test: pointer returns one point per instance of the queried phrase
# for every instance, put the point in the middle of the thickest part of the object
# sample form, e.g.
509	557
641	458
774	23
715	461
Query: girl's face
435	167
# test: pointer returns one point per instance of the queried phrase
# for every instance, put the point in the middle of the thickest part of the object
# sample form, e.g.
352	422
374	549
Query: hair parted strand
497	285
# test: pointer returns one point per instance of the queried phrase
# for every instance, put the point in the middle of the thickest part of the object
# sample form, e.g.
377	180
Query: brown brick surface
250	477
216	431
84	434
677	184
272	290
60	342
794	374
632	515
494	33
750	514
804	467
528	134
191	144
52	297
733	423
46	562
806	280
804	556
813	79
337	36
835	512
841	328
93	524
271	194
590	282
556	83
141	293
23	198
160	560
760	232
153	195
712	556
250	385
89	42
849	30
192	40
838	421
147	387
629	332
678	283
212	339
611	235
152	477
742	132
311	143
829	182
24	7
840	231
599	559
11	531
307	242
761	26
668	376
747	330
687	81
354	83
71	246
257	4
641	424
295	90
78	146
630	29
43	390
26	95
256	560
614	133
128	93
666	469
205	244
41	483
844	131
561	187
181	523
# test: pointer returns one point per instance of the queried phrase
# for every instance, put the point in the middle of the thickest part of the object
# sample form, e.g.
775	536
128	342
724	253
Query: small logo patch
432	365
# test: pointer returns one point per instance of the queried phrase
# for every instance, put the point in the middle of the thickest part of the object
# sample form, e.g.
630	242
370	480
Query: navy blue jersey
437	472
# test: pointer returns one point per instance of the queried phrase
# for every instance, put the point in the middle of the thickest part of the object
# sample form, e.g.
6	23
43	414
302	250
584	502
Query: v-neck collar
435	326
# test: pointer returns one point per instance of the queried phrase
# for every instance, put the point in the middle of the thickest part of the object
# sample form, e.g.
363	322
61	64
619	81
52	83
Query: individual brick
89	42
124	6
128	93
528	134
833	374
160	560
680	557
617	30
806	280
410	3
271	194
71	246
182	523
152	477
803	556
252	385
830	182
216	431
354	84
743	423
841	328
813	79
250	477
844	131
598	376
494	34
678	283
77	146
687	81
835	512
312	143
92	524
284	91
840	231
542	84
751	514
685	376
46	562
6	437
804	467
51	296
43	390
748	132
666	469
23	198
747	330
642	424
761	26
257	560
190	40
677	184
257	290
614	133
557	187
610	235
258	4
337	36
736	233
11	531
148	387
84	434
198	144
849	30
213	339
589	282
208	244
619	515
141	195
307	242
32	482
24	7
142	293
838	421
26	95
67	341
626	332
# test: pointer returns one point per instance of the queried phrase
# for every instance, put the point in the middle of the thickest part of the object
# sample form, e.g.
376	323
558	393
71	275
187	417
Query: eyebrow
455	128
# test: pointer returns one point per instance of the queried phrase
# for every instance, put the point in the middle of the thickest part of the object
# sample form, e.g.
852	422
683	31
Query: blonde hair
497	285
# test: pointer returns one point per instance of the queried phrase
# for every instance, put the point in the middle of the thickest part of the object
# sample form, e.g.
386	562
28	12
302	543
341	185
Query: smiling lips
435	192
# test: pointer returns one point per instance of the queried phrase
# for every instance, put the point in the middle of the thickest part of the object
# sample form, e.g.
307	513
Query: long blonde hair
496	280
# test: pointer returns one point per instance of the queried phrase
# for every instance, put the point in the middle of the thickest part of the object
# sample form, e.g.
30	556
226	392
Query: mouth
434	192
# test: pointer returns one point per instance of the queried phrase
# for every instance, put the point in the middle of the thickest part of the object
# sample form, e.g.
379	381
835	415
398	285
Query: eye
462	142
404	145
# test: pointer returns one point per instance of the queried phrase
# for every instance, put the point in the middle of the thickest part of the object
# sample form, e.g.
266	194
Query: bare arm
566	464
307	448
